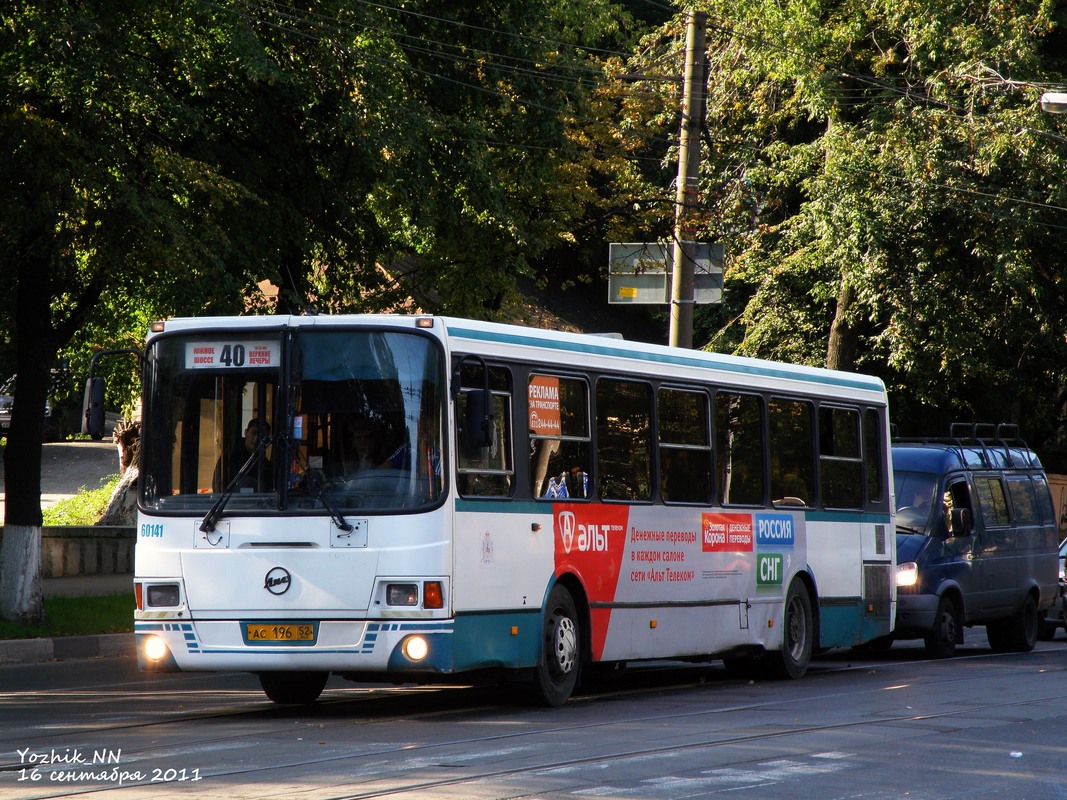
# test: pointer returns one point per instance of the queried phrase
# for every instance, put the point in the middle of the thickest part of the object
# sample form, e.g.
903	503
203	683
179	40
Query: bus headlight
155	649
402	594
907	573
415	648
163	595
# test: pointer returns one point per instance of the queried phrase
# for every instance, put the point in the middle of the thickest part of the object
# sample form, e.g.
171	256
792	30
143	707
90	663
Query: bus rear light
163	595
402	594
433	596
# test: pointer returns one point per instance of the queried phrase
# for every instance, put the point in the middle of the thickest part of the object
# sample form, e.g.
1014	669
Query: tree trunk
21	597
843	343
122	506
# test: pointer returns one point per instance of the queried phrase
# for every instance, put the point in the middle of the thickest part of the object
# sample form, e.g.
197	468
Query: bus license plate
273	632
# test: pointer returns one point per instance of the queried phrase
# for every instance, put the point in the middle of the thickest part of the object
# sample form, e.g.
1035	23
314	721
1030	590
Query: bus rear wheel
293	688
797	636
559	663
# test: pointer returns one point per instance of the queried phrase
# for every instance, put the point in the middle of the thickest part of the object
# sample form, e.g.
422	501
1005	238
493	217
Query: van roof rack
984	439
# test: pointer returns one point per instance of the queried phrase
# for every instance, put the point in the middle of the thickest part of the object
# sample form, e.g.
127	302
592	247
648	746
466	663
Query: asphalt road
876	726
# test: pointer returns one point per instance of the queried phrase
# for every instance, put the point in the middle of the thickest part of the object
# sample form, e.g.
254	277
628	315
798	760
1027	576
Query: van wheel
293	688
1022	630
793	659
942	640
560	660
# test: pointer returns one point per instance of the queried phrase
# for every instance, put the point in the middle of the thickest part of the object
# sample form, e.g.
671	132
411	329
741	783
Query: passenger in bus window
541	450
572	483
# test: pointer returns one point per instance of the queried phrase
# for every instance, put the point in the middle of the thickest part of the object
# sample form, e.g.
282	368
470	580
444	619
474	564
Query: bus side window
792	427
739	448
484	471
684	446
624	443
840	468
558	420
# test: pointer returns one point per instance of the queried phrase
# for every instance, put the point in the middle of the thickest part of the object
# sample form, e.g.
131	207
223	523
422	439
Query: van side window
992	501
956	495
1044	499
1023	500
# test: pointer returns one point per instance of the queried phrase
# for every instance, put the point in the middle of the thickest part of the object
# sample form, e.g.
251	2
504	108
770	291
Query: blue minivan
976	539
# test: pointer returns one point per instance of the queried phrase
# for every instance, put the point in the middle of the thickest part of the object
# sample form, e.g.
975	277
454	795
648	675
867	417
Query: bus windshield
348	419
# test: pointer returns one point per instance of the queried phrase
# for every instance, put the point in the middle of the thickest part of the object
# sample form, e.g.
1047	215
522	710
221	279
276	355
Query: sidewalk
108	645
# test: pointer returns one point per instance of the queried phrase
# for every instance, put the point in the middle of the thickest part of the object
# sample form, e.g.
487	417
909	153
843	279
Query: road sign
640	273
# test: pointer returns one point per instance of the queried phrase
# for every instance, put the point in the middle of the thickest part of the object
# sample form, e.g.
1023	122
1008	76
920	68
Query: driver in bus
238	455
358	446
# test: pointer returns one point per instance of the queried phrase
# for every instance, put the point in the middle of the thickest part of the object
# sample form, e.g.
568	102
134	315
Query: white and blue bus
418	498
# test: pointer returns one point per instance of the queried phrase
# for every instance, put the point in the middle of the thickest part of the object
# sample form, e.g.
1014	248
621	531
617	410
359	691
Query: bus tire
791	661
559	662
293	688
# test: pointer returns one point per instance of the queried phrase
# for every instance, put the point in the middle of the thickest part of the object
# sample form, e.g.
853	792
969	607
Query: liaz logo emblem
278	581
566	529
589	538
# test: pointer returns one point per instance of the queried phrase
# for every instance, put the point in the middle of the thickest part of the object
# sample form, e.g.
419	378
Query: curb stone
64	648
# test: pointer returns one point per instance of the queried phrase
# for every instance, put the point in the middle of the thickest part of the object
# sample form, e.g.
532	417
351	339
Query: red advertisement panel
726	533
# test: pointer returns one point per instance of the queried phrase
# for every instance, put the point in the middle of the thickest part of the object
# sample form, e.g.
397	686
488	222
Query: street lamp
1054	102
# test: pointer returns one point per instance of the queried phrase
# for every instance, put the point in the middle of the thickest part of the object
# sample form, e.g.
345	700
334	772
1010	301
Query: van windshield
915	492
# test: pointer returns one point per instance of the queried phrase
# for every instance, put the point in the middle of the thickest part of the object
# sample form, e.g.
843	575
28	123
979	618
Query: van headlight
907	573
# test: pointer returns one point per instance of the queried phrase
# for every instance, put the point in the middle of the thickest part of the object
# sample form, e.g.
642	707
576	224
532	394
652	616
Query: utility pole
682	294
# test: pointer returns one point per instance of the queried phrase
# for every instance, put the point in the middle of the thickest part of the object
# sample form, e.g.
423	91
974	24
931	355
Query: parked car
976	539
57	407
1056	616
7	400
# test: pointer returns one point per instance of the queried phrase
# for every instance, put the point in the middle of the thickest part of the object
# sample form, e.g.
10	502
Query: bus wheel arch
563	645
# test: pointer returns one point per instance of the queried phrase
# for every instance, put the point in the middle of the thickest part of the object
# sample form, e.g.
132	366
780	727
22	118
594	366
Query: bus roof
492	338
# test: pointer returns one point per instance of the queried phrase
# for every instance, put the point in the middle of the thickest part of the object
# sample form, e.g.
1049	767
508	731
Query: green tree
163	158
883	180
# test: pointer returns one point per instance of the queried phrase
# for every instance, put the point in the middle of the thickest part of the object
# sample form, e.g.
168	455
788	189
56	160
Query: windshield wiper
335	515
213	514
909	529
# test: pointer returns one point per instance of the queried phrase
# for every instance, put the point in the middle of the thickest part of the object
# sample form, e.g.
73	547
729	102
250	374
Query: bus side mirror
478	429
93	408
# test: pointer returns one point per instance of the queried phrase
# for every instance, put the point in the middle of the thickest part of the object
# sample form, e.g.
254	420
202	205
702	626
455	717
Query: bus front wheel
560	659
293	688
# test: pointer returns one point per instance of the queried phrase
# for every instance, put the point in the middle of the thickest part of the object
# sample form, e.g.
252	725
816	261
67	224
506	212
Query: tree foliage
887	189
164	158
